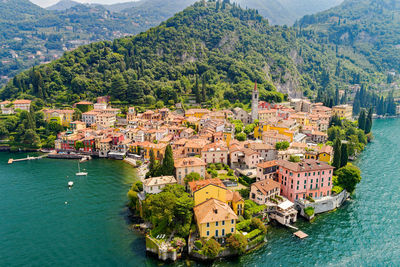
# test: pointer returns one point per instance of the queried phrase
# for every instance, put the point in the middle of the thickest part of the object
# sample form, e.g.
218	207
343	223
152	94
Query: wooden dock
10	161
300	234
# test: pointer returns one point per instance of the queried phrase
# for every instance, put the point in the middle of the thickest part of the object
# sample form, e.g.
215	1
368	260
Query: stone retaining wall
323	205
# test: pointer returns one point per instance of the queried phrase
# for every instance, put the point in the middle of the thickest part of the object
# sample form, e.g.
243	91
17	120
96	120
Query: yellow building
145	148
61	116
215	218
204	190
343	111
196	112
258	131
209	191
323	153
301	118
227	138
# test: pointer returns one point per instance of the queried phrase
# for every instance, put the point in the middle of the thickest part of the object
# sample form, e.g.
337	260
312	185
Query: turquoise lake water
37	228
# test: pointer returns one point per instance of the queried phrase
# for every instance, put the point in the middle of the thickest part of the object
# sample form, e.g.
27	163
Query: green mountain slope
367	27
17	10
283	12
212	52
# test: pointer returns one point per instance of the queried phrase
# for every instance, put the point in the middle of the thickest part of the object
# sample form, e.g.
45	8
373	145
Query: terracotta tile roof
233	196
196	185
196	143
219	146
84	103
22	101
213	210
259	146
266	185
267	164
189	162
304	165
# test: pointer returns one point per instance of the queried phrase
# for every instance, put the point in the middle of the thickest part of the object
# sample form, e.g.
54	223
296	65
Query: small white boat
70	184
79	173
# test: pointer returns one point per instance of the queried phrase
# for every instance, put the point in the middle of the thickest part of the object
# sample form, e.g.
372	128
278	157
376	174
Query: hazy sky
46	3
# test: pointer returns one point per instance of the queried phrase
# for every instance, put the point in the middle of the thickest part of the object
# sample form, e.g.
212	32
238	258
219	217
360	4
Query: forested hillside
367	27
212	50
30	35
283	12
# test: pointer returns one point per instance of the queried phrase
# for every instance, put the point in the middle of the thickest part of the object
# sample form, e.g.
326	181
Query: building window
208	224
232	230
223	222
216	223
216	232
232	221
223	230
208	233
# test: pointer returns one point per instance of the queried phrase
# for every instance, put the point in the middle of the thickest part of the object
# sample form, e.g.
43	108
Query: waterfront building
283	212
263	191
306	178
215	218
204	190
155	185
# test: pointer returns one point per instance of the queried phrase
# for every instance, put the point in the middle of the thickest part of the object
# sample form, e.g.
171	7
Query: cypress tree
337	96
368	124
152	164
362	120
203	89
337	147
167	167
344	156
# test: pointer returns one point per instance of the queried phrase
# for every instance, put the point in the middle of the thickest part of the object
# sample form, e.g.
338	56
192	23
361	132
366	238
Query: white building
155	185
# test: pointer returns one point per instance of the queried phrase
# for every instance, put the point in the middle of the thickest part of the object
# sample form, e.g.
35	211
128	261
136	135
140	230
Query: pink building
306	178
215	153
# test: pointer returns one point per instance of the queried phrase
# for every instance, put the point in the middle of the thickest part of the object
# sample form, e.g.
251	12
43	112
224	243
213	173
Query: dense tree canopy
211	53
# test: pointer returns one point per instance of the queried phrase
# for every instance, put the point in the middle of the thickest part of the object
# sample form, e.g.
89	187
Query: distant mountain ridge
287	11
63	5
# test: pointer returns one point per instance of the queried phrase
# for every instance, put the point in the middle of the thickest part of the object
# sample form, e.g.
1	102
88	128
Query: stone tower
254	104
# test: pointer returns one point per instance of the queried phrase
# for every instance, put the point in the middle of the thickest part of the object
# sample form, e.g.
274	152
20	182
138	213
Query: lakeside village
212	180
